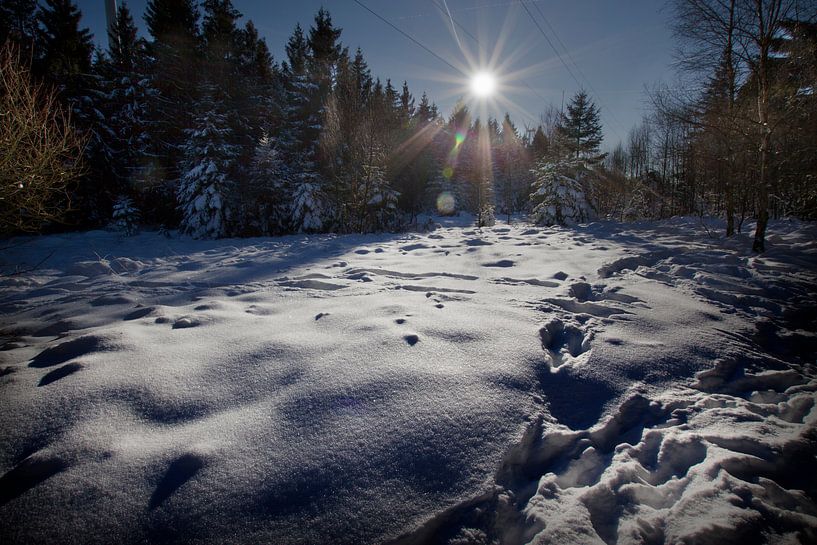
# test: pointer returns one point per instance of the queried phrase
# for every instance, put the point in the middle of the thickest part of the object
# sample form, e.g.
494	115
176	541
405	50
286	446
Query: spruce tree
174	71
66	48
18	25
325	50
580	128
299	137
265	201
127	95
206	187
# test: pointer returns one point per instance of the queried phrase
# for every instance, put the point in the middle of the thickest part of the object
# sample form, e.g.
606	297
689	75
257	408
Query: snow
612	383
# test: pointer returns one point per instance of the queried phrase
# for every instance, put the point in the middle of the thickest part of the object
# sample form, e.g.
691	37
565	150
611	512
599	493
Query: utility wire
550	43
409	36
579	70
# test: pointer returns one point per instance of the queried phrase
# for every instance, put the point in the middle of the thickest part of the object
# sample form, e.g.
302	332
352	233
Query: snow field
612	384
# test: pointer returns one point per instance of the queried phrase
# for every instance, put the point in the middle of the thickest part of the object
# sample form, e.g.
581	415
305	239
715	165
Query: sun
483	84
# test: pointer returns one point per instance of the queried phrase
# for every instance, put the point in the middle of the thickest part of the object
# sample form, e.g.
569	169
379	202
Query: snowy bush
486	216
307	203
382	205
559	196
125	215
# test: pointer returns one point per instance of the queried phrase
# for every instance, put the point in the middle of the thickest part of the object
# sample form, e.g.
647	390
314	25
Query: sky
611	48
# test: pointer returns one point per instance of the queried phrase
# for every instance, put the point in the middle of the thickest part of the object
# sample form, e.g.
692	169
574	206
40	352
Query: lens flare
459	138
448	172
483	84
446	204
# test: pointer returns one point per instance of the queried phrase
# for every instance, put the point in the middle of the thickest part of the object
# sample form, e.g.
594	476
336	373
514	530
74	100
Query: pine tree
206	187
325	51
174	70
66	48
299	137
221	42
362	77
265	201
580	128
540	147
127	95
18	25
126	215
512	161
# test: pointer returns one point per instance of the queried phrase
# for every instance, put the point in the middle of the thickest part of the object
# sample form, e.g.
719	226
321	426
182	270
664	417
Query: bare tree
39	151
732	42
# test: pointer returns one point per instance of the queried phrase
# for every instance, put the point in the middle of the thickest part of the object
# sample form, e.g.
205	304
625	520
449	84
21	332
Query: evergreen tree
261	84
127	94
18	25
580	128
220	38
540	147
174	70
512	161
559	196
362	77
66	62
426	112
66	48
299	137
325	49
264	207
206	188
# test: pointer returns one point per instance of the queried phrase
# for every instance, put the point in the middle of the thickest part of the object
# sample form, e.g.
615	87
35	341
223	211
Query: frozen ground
611	384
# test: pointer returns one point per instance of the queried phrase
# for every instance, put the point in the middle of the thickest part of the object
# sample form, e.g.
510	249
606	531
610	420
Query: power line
550	43
409	36
579	70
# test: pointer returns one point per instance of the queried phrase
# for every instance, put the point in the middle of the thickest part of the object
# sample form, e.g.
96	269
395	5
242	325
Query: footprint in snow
400	321
321	315
411	339
179	472
59	372
67	351
28	474
186	322
503	263
138	313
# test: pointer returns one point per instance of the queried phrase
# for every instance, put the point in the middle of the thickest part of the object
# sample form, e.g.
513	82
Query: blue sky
612	47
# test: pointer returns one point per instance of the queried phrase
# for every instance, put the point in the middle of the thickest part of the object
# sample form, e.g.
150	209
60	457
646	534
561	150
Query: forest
196	127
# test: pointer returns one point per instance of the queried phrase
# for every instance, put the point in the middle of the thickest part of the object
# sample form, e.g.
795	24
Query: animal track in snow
179	472
28	474
529	281
502	263
563	341
68	350
138	313
59	373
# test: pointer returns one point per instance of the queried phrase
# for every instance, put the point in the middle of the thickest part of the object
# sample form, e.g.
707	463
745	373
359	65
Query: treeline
199	128
742	143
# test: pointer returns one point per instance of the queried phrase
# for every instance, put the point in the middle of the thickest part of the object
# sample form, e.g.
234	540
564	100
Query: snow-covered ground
614	383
